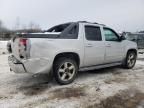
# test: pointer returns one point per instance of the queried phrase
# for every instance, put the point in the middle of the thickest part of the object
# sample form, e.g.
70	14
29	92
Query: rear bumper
16	65
34	66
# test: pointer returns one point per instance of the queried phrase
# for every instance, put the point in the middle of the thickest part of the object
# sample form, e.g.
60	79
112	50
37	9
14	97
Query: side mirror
133	39
122	38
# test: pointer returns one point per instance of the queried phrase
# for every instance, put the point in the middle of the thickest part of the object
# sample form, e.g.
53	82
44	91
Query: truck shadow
112	70
141	59
40	83
108	70
34	85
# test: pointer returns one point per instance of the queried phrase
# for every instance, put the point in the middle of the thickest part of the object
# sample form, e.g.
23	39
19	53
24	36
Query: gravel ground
104	88
3	47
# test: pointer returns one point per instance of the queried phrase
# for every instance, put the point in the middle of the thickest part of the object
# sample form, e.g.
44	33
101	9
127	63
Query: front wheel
65	70
130	60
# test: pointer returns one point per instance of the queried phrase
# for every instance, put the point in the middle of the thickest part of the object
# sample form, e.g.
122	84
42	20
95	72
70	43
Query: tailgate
15	47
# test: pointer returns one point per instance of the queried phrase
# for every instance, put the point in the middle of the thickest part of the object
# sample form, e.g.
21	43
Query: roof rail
83	21
91	22
102	24
88	22
95	23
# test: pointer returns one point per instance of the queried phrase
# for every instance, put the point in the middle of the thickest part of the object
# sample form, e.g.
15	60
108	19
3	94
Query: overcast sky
121	15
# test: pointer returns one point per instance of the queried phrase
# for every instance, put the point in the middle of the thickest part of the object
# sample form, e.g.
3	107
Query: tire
130	60
65	70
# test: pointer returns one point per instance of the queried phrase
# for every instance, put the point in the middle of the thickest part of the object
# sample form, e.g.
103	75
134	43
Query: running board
99	66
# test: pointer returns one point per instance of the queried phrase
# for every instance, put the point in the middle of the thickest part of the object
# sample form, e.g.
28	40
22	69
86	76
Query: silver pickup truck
68	48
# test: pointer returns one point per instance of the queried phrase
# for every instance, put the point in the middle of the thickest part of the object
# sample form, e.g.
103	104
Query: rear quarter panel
49	48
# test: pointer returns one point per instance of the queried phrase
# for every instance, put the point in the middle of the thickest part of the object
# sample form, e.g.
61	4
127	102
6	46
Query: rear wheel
130	60
65	70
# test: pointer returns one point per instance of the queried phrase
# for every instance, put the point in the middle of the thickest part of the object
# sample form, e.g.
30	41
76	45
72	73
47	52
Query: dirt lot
105	88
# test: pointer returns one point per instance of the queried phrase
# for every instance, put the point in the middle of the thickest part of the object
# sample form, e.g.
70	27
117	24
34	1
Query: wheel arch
73	55
125	60
134	50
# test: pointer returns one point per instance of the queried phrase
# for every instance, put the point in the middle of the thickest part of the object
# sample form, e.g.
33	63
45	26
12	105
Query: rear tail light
23	47
23	41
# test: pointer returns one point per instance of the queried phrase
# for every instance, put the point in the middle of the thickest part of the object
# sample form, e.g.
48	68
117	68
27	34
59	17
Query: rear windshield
58	28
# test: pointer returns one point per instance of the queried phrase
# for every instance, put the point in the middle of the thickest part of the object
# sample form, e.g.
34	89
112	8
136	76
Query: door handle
108	45
89	45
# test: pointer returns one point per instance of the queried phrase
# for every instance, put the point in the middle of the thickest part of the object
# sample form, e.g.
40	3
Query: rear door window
93	33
